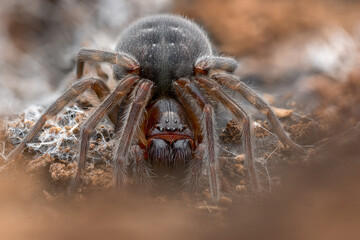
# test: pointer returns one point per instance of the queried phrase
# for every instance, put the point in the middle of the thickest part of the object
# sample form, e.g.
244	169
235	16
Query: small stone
282	113
54	130
240	168
225	201
76	130
240	188
240	158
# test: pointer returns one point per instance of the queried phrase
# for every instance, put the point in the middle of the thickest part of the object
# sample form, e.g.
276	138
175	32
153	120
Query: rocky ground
303	58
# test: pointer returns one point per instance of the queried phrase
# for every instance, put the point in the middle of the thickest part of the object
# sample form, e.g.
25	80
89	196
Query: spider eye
135	71
200	71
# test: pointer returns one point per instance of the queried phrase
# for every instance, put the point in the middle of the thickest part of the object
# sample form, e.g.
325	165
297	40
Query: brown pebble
240	158
76	130
66	150
240	168
282	113
240	188
225	200
55	130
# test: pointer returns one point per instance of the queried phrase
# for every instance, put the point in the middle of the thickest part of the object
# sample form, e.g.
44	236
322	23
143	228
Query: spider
165	70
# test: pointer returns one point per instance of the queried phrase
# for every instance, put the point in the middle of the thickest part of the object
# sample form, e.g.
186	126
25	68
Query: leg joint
85	130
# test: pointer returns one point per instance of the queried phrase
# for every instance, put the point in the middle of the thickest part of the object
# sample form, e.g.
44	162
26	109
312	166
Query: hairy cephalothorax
165	71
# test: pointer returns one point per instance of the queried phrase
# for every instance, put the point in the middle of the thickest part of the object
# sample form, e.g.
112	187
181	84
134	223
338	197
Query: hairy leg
214	91
123	87
252	97
192	113
195	169
75	90
136	110
118	58
141	169
204	64
209	141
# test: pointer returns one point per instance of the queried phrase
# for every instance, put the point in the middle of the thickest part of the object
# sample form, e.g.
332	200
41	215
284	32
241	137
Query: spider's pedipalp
252	97
210	153
121	59
75	90
142	95
214	91
123	87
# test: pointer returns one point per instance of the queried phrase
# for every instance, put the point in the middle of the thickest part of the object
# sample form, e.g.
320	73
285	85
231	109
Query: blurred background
301	55
275	41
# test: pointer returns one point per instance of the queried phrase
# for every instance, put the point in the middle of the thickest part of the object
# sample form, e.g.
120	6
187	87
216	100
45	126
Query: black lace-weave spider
164	66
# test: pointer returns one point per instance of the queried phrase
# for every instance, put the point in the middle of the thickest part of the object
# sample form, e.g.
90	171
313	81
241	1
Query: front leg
118	58
122	89
140	167
210	155
214	90
142	95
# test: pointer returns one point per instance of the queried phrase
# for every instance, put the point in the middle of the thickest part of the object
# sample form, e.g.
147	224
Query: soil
314	195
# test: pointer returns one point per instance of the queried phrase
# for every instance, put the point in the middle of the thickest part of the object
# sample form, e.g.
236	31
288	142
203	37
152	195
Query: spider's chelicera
165	70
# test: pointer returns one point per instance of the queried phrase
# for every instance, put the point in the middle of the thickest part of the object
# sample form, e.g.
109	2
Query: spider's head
170	138
166	117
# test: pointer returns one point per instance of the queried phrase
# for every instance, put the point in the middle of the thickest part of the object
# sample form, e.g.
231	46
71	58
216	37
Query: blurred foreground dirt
315	196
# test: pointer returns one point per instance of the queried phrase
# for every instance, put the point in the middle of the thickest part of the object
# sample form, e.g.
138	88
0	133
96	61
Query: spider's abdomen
166	48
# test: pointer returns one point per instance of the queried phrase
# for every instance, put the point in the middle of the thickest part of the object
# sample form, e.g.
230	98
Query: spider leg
209	133
195	170
75	90
214	90
132	120
118	58
215	62
111	101
234	83
141	168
